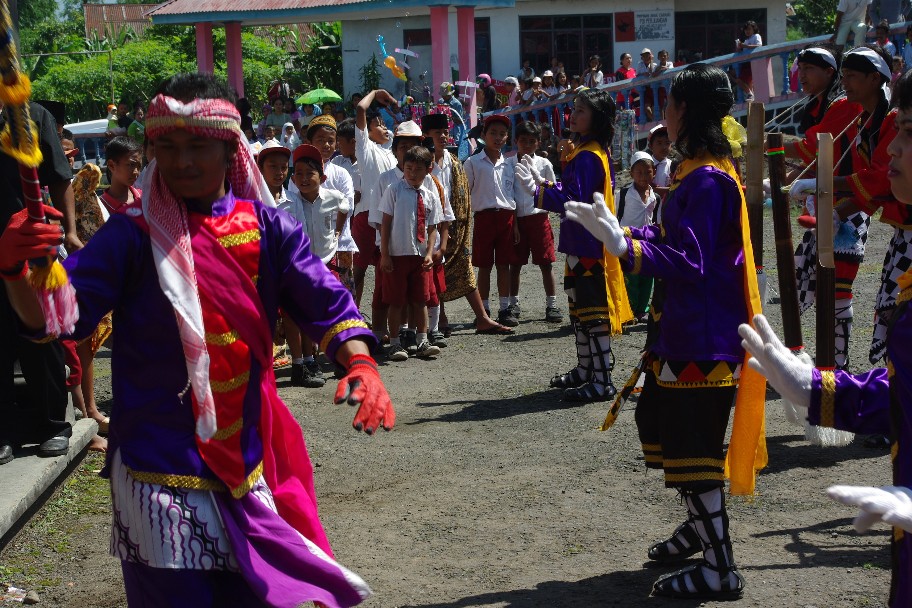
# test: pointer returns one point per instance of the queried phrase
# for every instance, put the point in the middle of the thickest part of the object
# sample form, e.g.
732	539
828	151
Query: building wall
359	37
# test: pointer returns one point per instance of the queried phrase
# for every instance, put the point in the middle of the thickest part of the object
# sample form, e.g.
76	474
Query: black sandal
587	393
665	586
571	379
659	552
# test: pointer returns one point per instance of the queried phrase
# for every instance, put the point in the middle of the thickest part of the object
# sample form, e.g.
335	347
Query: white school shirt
754	40
491	182
643	69
339	180
318	218
637	212
352	167
663	172
400	201
374	161
443	171
525	201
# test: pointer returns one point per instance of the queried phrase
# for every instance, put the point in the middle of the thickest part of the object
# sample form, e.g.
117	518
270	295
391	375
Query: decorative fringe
18	93
797	414
30	156
56	296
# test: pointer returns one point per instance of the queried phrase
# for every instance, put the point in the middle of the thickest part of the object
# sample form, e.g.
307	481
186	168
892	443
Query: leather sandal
587	393
659	552
572	379
665	586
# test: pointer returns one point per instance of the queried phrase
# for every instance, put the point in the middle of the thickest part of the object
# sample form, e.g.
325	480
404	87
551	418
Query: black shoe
515	310
506	319
6	452
55	446
409	340
313	376
437	338
553	314
397	353
297	374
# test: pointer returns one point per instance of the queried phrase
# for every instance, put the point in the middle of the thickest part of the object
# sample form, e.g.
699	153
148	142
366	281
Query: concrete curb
29	480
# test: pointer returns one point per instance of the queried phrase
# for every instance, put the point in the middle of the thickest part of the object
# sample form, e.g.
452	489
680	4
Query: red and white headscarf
170	236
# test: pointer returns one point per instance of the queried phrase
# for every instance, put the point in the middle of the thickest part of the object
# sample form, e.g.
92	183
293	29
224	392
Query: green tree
370	74
813	17
33	12
317	62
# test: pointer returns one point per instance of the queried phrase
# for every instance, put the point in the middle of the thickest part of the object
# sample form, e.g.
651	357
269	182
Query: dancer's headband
815	55
867	61
216	118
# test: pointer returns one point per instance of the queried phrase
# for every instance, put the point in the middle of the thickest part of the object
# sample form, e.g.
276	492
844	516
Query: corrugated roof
182	7
107	19
263	12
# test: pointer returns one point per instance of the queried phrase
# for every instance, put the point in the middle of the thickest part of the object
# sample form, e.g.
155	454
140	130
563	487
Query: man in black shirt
34	413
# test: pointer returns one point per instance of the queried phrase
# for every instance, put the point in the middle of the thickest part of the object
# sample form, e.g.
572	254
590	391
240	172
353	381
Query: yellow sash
618	303
747	447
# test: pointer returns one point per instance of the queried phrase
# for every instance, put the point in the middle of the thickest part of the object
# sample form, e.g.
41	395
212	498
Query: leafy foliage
813	17
370	74
317	62
33	12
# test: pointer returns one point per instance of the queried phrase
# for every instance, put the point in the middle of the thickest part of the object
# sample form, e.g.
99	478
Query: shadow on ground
496	409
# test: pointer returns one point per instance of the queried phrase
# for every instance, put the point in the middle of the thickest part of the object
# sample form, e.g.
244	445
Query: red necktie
422	233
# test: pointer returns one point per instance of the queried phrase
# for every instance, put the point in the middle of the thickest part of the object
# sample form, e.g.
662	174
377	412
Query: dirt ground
492	492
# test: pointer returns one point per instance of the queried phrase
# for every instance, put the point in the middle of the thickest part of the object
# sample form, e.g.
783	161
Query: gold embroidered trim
681	477
652	447
637	256
229	385
255	278
242	489
541	196
225	339
225	433
337	329
827	398
627	232
657	458
694	462
191	482
904	296
894	450
241	238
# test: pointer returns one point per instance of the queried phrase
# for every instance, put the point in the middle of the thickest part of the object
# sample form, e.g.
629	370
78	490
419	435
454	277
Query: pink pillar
465	25
440	45
204	56
233	55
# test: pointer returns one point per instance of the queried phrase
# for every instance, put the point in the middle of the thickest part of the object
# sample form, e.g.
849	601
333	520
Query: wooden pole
826	265
754	178
785	251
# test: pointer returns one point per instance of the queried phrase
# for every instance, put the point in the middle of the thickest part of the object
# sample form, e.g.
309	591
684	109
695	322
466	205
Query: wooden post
785	252
754	178
826	265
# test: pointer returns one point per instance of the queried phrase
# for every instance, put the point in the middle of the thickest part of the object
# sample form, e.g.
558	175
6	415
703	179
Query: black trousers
37	411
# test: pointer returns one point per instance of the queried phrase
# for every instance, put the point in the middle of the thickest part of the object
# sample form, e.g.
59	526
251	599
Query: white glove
790	376
524	177
597	219
529	164
801	188
767	189
890	504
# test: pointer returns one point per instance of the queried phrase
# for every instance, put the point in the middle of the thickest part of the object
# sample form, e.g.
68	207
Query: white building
570	30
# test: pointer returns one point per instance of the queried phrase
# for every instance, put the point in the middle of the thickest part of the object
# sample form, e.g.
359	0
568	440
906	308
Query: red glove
807	221
26	239
362	386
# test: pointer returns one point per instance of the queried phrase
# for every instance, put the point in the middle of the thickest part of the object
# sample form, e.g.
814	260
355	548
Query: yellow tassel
735	133
30	157
16	94
50	277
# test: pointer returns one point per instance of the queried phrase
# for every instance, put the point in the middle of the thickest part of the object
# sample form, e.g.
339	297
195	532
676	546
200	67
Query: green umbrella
318	96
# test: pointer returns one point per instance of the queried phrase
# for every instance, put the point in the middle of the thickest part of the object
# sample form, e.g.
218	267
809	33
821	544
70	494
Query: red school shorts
436	285
492	238
366	239
535	236
407	283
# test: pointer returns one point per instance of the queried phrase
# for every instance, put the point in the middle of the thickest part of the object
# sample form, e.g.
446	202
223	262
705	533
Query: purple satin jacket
152	421
698	253
581	178
880	402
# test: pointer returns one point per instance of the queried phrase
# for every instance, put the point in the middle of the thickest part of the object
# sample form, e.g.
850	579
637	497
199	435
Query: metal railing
770	72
